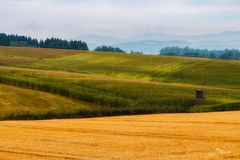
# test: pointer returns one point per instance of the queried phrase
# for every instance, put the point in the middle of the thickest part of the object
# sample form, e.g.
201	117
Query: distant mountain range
153	42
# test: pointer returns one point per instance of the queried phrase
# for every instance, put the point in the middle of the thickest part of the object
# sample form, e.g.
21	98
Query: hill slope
219	73
120	84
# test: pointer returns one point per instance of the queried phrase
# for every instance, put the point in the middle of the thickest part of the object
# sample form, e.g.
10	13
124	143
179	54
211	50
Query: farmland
199	136
93	84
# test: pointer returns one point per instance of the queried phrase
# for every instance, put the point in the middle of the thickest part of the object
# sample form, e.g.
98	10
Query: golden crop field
200	136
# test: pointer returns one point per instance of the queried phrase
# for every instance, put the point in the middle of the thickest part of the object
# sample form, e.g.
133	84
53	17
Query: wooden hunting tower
200	94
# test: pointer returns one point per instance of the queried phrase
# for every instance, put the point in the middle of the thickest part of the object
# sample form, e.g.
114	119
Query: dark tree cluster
23	41
136	52
15	40
109	49
233	54
63	44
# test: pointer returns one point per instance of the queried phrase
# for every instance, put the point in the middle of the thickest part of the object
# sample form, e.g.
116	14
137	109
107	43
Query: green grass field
197	71
90	84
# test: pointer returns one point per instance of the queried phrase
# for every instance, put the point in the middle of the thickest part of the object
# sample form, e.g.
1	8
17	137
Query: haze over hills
152	42
96	40
150	46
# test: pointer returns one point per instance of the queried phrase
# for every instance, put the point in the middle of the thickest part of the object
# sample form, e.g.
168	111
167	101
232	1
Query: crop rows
115	96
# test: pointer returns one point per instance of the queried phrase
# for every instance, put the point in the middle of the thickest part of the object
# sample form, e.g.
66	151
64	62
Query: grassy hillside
220	73
198	71
118	84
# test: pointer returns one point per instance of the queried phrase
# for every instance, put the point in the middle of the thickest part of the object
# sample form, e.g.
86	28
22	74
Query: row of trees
232	54
23	41
63	44
109	49
15	40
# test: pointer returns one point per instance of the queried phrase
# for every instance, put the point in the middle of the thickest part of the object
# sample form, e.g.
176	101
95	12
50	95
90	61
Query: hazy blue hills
100	39
153	42
150	46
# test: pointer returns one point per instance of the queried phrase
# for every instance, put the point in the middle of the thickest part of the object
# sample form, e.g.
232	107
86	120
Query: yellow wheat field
205	136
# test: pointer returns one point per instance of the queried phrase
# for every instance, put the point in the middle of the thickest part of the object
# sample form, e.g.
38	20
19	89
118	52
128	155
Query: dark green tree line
108	49
23	41
233	54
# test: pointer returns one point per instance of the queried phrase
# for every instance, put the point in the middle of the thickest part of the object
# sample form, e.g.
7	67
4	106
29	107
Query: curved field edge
114	96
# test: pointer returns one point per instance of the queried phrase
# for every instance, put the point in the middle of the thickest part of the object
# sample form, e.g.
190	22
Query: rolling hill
109	84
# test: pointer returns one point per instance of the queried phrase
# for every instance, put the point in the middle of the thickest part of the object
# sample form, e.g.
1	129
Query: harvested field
200	136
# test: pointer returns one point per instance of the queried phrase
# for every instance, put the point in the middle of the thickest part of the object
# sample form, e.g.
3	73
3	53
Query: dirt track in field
210	136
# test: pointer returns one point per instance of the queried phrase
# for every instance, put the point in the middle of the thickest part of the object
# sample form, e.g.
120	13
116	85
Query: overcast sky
71	18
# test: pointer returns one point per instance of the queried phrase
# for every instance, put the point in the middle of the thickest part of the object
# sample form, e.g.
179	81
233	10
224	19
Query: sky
72	18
